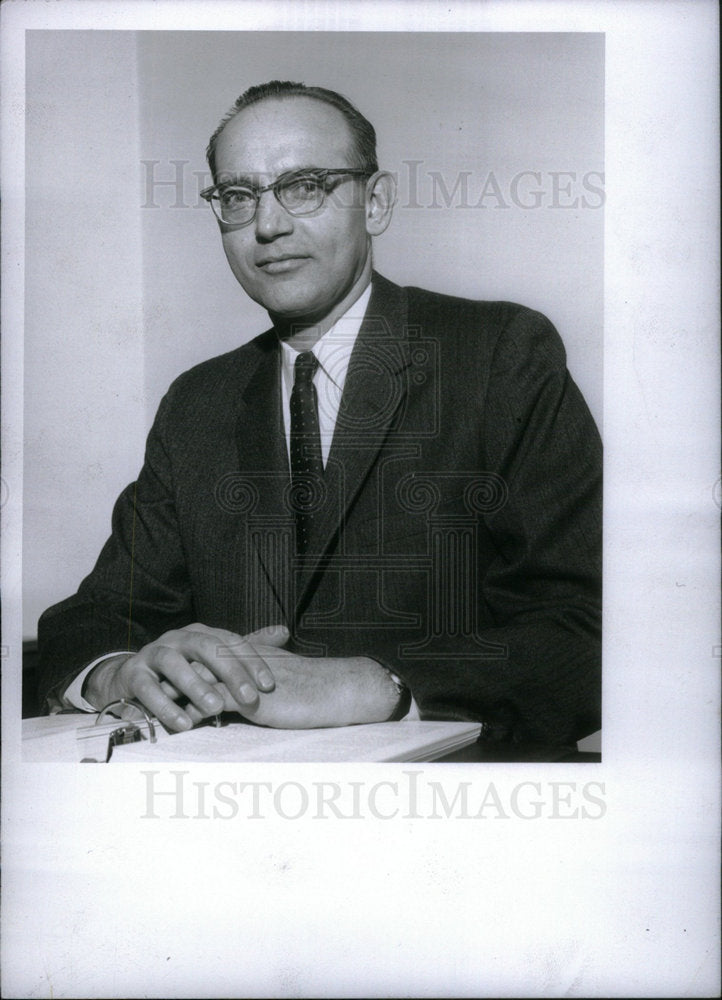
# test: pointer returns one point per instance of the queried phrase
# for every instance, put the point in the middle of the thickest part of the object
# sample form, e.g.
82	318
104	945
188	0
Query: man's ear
380	201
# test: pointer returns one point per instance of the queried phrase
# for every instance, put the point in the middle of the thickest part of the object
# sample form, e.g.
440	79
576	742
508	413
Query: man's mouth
279	264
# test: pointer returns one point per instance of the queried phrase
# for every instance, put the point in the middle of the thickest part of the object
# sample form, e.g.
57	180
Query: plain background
126	281
98	902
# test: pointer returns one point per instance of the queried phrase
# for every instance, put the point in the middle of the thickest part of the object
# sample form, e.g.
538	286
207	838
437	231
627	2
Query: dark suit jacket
457	533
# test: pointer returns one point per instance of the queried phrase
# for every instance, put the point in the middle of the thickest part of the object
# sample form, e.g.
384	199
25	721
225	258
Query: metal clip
130	732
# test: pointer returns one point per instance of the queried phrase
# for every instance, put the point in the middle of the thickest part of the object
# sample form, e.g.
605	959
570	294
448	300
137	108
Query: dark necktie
306	459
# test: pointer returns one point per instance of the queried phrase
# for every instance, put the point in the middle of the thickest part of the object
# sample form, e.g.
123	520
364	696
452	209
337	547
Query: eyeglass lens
298	195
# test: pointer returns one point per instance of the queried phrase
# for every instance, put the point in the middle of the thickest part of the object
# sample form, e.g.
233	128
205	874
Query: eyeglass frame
320	173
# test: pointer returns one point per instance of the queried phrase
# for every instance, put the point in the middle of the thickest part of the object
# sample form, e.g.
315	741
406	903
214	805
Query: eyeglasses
300	192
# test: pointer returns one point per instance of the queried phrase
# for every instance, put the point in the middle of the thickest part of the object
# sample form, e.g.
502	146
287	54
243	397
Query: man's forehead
287	132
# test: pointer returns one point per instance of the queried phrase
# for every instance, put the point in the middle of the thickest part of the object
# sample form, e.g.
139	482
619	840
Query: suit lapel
263	458
374	392
261	441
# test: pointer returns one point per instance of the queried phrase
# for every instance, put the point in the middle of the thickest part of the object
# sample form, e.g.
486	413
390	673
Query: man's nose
272	219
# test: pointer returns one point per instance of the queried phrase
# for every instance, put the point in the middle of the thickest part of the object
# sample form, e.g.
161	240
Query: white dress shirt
333	352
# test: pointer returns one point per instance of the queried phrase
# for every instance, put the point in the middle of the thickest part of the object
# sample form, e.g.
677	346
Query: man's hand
315	692
210	667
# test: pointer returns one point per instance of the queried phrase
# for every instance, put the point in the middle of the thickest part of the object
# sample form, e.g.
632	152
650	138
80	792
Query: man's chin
300	316
292	298
295	305
285	294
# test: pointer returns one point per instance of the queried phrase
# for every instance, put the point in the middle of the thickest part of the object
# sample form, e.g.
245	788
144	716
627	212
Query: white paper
566	899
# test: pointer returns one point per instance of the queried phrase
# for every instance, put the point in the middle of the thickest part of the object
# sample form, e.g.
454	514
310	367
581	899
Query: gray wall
127	284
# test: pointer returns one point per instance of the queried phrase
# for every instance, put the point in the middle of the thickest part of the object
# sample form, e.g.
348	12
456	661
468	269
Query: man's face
297	267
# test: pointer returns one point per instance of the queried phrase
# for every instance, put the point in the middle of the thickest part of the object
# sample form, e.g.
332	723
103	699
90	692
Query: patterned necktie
306	458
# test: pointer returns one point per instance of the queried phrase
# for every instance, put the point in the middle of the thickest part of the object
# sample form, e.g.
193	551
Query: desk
498	753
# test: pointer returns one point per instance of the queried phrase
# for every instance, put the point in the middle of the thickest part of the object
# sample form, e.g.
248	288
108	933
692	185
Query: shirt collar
333	349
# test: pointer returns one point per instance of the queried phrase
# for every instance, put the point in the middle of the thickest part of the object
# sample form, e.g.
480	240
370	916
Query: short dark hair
362	131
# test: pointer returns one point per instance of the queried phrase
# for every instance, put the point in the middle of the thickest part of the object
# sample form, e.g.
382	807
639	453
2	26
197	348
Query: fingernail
265	678
248	693
212	701
183	722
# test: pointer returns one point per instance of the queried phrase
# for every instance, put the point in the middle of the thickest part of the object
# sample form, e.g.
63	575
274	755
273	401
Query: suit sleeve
542	585
138	588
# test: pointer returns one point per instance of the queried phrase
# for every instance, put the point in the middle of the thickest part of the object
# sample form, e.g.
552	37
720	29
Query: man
386	506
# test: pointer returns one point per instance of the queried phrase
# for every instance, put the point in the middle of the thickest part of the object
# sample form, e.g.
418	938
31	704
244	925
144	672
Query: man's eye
235	198
303	188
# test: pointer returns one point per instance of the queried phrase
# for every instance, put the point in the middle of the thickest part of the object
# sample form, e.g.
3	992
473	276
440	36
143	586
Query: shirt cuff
74	691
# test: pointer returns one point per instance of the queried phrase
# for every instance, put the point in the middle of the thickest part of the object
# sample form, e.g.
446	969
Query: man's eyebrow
244	179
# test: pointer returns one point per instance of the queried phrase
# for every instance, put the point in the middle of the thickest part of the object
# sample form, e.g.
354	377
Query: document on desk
67	738
237	742
73	737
